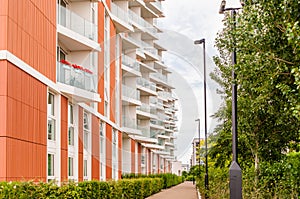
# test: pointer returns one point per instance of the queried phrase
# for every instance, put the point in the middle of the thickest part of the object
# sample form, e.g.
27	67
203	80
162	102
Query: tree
266	39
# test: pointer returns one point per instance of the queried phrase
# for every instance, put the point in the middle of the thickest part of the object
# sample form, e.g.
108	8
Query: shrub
126	188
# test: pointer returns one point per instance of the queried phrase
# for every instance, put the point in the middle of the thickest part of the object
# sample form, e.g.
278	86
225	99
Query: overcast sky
186	21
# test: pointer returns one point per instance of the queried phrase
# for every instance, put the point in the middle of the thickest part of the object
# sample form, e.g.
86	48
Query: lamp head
197	120
222	7
199	41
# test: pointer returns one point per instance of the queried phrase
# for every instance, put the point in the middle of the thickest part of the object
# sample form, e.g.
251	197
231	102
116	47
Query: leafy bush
127	188
169	179
277	180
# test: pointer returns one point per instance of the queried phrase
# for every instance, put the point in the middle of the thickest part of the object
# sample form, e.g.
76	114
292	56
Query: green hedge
169	179
135	188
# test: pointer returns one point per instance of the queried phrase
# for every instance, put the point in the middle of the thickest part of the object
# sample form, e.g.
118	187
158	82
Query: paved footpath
184	190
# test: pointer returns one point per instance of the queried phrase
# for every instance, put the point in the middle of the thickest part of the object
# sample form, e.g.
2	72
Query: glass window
70	166
50	104
85	168
50	164
101	138
51	129
86	121
86	140
71	136
71	125
51	117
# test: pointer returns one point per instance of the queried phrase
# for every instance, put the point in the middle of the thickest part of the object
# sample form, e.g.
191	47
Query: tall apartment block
84	93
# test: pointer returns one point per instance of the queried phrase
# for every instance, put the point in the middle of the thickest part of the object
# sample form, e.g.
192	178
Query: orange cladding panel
108	152
3	158
26	123
64	139
3	29
139	158
95	148
3	116
120	153
29	27
132	155
80	144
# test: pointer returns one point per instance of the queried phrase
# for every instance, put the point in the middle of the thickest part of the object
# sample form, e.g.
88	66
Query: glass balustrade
146	83
128	122
77	76
119	12
78	24
130	92
144	107
130	62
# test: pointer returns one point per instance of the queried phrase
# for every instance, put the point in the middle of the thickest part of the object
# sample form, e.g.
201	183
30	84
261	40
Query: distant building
178	167
194	154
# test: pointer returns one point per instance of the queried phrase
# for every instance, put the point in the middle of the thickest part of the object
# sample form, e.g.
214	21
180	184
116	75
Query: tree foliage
266	37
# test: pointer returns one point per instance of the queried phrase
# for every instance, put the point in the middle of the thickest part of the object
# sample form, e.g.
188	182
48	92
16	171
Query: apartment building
84	93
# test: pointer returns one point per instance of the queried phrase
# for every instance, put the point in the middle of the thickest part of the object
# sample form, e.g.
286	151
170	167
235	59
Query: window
71	125
70	167
85	170
51	117
86	132
50	165
102	138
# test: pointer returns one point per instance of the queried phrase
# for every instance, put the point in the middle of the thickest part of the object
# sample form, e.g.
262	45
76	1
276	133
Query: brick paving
184	190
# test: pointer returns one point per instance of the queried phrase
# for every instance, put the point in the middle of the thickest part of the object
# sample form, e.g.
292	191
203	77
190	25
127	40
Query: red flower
88	71
65	62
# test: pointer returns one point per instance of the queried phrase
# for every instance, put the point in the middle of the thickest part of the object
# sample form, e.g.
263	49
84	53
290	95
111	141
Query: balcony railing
157	122
143	23
130	62
146	83
80	78
160	77
164	94
129	123
78	24
158	4
119	12
145	130
144	107
130	92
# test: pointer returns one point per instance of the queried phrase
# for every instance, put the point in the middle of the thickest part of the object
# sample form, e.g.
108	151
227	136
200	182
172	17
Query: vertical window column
53	138
72	144
102	152
87	146
115	154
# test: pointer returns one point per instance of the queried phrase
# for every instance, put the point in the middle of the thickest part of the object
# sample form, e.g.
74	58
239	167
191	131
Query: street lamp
202	41
198	120
235	171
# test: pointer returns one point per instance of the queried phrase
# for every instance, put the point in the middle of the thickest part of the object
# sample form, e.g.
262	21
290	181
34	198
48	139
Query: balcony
146	83
156	124
143	25
129	126
77	76
120	18
144	107
156	7
131	66
76	32
130	96
143	111
145	130
160	79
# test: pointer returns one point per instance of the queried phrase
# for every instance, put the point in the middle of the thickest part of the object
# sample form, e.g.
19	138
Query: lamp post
198	120
235	171
202	41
